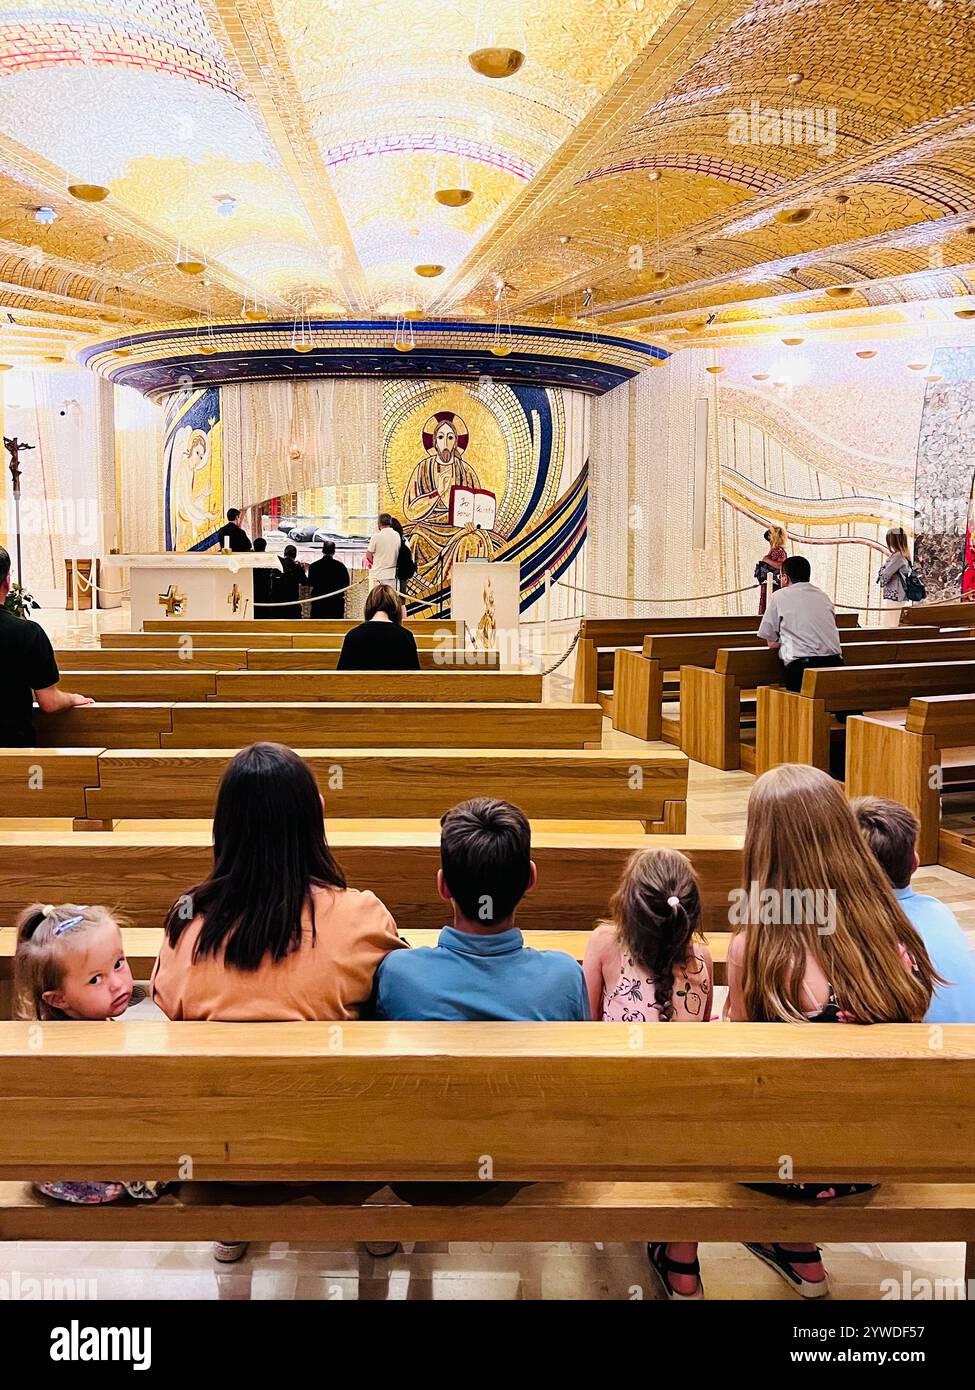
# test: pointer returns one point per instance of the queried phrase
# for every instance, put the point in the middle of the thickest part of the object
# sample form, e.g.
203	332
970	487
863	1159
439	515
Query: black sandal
784	1263
662	1265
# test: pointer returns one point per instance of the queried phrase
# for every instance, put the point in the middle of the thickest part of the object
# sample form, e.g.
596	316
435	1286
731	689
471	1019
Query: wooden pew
149	784
912	759
645	681
312	725
588	1114
600	638
797	728
710	707
256	659
142	873
453	630
474	685
256	641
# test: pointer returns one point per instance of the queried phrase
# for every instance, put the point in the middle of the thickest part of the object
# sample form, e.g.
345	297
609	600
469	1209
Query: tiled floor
467	1271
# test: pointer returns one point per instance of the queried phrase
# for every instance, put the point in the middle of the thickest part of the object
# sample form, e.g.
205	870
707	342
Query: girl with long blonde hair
820	939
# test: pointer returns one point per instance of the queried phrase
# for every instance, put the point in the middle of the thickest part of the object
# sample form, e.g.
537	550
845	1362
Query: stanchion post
548	612
75	615
769	588
94	598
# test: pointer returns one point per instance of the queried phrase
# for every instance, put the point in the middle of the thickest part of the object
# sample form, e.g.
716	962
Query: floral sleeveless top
631	999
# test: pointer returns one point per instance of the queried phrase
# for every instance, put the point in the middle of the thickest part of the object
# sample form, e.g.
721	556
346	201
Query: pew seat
533	1212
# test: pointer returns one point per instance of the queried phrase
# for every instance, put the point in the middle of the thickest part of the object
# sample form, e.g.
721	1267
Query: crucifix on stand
14	448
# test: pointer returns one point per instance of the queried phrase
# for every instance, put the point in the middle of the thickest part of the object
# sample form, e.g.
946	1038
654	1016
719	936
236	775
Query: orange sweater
329	977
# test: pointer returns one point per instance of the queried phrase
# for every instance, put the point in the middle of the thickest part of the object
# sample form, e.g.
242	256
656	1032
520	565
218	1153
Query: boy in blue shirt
891	832
481	968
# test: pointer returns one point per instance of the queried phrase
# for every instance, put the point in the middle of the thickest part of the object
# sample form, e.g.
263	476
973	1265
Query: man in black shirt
28	670
381	643
263	583
233	532
325	576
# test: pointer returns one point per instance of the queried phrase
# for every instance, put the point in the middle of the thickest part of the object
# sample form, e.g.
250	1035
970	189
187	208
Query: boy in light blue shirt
891	832
481	968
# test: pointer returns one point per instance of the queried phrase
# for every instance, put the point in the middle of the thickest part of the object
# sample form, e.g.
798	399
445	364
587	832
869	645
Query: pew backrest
144	872
461	684
886	687
308	724
590	1101
948	719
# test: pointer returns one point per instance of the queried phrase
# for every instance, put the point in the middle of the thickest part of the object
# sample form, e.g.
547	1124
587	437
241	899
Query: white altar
194	585
487	595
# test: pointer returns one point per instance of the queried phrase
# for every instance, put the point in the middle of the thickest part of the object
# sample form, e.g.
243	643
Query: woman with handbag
900	584
771	564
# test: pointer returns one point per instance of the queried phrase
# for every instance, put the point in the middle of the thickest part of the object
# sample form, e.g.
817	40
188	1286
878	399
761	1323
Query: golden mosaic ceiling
654	165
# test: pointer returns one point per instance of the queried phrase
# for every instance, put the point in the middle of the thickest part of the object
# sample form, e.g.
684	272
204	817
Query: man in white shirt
800	624
382	552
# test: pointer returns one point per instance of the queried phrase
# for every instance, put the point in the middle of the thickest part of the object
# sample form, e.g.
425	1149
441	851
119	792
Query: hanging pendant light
866	355
499	44
254	308
301	340
503	341
451	184
403	337
188	261
87	182
429	271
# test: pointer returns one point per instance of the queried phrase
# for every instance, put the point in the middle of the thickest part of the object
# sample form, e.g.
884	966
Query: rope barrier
565	655
629	598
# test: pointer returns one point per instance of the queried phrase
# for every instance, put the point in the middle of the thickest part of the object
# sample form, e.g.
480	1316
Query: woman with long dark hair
273	933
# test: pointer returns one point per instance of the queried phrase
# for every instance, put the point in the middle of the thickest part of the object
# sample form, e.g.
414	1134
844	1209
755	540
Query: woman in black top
381	643
325	576
286	584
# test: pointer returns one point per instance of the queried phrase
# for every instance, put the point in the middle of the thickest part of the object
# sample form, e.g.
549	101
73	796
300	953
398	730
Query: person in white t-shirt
800	624
382	552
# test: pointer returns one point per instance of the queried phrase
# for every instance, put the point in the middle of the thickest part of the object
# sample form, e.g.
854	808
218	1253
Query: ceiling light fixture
866	355
496	61
794	217
429	271
45	216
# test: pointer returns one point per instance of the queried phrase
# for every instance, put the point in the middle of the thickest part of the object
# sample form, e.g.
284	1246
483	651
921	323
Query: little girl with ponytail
649	964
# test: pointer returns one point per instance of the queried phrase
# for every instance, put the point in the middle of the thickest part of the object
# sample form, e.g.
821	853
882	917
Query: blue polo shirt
481	978
951	955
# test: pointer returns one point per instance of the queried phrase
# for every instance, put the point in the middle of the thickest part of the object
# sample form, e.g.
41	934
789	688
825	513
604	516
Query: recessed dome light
794	217
839	291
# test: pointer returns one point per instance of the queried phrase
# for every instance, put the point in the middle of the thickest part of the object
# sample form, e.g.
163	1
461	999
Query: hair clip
63	926
673	902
